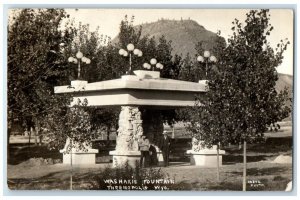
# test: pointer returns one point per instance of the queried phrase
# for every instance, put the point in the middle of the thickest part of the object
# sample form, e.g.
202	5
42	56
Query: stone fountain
141	97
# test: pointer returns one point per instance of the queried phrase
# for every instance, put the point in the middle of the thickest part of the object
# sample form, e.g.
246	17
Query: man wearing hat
165	147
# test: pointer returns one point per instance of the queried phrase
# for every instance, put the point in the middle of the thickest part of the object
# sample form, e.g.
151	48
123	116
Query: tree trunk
29	134
245	166
108	133
71	161
41	140
38	133
8	136
7	146
218	166
35	136
173	131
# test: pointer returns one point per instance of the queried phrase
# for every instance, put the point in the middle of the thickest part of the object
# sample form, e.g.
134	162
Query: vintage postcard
150	99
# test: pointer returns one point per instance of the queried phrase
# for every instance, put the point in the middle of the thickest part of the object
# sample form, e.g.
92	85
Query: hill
184	34
285	80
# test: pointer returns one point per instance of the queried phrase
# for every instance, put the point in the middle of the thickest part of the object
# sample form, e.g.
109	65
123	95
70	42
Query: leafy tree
164	54
35	64
128	33
93	46
69	122
242	102
105	118
71	128
188	70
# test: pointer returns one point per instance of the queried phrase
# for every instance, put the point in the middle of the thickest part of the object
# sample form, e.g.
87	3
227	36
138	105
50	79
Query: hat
165	132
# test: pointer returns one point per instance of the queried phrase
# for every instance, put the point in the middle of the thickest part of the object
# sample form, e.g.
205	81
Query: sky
212	19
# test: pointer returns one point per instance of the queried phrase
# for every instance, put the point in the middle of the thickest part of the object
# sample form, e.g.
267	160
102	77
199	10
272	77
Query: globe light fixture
79	55
154	63
130	47
207	59
147	66
212	59
159	66
206	54
140	54
121	52
70	59
79	58
130	51
200	59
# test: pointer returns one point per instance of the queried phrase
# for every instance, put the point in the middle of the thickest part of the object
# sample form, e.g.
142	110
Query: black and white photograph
150	99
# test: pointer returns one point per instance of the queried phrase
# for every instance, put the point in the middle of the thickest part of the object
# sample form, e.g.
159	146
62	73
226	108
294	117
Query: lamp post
130	50
207	58
79	58
153	62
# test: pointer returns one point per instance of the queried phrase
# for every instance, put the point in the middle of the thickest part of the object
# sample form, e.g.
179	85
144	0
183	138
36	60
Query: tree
242	102
188	71
70	127
104	117
35	64
93	46
69	122
164	55
128	33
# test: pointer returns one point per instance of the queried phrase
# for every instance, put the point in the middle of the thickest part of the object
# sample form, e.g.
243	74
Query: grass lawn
271	177
262	173
261	170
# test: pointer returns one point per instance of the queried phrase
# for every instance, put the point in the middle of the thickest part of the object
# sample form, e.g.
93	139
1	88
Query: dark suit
165	143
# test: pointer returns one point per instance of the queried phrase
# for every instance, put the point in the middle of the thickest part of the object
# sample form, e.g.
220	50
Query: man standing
144	146
165	147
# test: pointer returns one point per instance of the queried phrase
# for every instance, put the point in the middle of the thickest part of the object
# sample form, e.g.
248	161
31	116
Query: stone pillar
130	130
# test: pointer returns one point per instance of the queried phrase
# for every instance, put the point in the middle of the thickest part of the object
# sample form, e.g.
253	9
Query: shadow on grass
238	186
270	145
263	172
225	186
233	159
278	183
55	180
19	153
37	184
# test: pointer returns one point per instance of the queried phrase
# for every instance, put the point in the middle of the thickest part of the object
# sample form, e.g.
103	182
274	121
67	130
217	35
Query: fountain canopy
145	88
